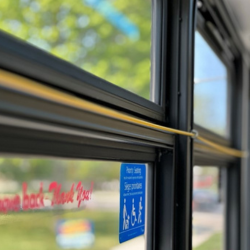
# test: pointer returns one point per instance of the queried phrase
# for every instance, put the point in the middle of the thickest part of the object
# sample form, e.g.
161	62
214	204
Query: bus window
60	204
110	39
210	89
208	209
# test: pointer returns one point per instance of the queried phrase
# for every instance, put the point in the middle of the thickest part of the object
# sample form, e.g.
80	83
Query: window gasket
22	58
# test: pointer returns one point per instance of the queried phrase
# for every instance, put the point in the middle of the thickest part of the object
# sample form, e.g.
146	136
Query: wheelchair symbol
133	214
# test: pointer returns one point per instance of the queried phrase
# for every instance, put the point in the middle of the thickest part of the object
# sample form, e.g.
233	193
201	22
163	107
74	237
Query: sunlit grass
213	243
36	230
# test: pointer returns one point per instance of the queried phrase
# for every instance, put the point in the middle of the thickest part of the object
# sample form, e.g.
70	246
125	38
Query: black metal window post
184	145
237	181
245	171
173	172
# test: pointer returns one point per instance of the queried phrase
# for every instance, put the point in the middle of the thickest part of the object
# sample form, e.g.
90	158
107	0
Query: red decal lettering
70	194
41	195
79	188
91	189
1	206
17	203
10	204
60	198
83	194
63	198
6	205
53	186
36	200
26	200
31	201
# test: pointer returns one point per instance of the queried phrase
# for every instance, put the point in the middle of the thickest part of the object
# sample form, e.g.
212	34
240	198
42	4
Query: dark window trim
26	142
215	45
210	135
218	27
31	108
22	58
206	156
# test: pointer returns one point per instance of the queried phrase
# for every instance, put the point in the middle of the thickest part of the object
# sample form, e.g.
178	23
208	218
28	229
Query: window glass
210	89
110	39
208	206
40	206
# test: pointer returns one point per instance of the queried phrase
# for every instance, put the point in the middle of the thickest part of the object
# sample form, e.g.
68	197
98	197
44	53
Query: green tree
78	32
25	169
28	169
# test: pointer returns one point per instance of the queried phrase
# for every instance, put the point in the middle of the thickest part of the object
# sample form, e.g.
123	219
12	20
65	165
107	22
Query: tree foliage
28	169
88	34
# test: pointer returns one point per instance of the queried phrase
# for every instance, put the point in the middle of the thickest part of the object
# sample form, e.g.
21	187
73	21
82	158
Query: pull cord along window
10	80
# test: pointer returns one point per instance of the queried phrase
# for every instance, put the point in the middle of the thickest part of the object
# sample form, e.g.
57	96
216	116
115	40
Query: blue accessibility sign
132	201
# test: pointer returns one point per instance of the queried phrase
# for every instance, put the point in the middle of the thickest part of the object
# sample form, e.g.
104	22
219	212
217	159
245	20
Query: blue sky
210	94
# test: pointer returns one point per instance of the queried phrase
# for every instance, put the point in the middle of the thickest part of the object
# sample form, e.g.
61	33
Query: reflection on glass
62	204
210	89
207	209
110	39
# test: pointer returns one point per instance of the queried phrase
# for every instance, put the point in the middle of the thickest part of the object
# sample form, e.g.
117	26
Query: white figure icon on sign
140	209
133	214
125	217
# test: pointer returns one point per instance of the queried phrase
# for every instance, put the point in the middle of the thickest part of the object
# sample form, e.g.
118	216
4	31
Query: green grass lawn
36	230
213	243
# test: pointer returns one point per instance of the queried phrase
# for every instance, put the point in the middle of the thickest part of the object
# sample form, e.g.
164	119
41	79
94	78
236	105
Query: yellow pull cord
226	150
13	81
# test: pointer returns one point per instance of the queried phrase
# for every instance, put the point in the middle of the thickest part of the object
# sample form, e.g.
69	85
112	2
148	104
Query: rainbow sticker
75	234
